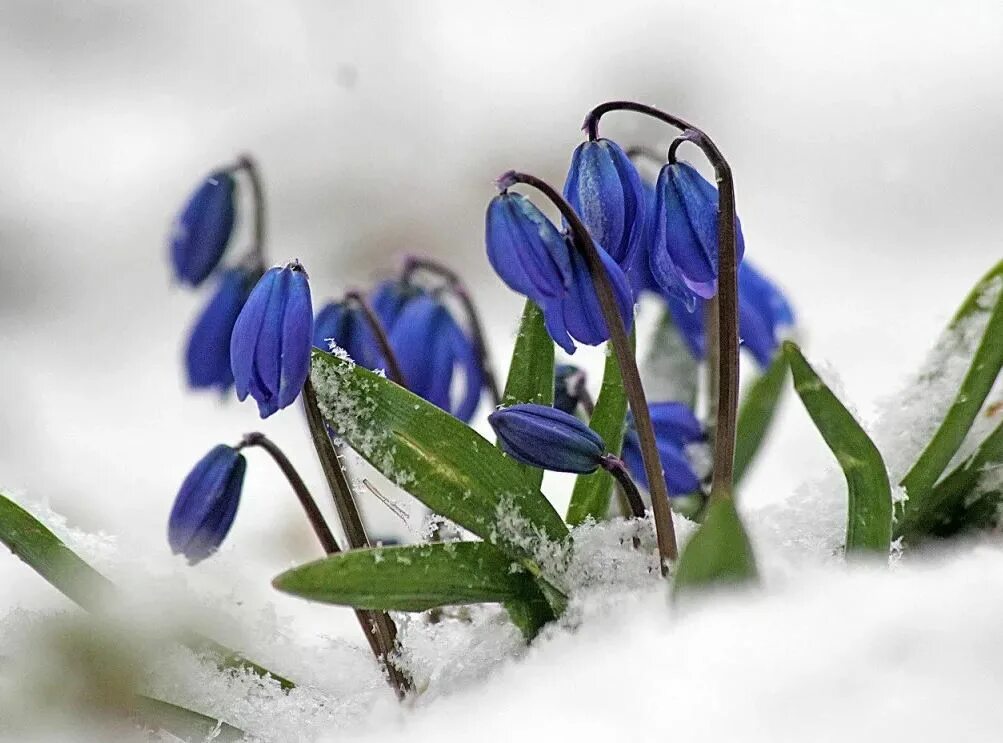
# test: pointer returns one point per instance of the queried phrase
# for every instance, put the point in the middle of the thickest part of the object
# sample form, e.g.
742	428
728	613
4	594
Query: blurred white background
865	138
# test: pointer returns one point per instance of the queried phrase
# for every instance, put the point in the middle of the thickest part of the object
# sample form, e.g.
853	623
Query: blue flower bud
603	186
567	385
207	357
206	504
550	439
430	349
202	229
270	345
346	324
684	231
389	298
675	426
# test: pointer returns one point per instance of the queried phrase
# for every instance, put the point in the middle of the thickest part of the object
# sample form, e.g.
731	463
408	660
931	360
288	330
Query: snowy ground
866	150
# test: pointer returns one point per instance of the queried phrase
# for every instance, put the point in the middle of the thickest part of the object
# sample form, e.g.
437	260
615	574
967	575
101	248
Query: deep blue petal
553	320
473	374
206	503
691	226
690	324
203	228
388	299
583	314
268	352
244	339
297	335
207	356
675	423
679	476
669	232
411	340
544	437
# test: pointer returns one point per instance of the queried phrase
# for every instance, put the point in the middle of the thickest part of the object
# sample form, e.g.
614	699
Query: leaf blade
756	413
718	554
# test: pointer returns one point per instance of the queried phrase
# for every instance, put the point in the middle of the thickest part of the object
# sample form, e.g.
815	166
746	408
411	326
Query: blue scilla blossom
345	324
270	345
675	428
535	259
388	299
568	381
683	241
207	357
203	228
206	504
604	188
545	437
431	349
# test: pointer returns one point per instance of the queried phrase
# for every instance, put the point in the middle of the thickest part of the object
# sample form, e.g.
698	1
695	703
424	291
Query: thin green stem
380	334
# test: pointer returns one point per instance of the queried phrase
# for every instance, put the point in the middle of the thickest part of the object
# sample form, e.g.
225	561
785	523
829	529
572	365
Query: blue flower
270	345
533	258
675	426
346	324
202	229
207	357
684	231
545	437
430	348
603	186
206	504
567	385
388	299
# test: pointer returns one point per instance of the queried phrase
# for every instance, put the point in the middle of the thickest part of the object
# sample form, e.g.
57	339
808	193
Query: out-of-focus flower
207	503
547	438
271	340
569	381
675	428
346	325
203	228
388	299
207	357
430	349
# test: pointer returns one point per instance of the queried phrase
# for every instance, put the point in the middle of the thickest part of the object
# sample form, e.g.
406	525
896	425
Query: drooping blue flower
604	188
270	345
568	381
545	437
684	231
206	504
203	228
533	258
346	324
675	427
431	348
388	299
207	356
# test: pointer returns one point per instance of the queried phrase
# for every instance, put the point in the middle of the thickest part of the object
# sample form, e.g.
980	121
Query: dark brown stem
582	240
459	290
615	466
727	294
381	624
246	163
380	333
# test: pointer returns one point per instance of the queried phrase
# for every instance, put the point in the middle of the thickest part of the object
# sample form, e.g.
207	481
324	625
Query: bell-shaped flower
346	325
569	381
545	437
207	357
675	427
206	504
604	188
684	231
203	228
431	350
388	299
270	345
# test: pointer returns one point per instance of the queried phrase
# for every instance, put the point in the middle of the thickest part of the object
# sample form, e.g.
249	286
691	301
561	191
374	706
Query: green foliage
756	413
183	723
718	554
869	514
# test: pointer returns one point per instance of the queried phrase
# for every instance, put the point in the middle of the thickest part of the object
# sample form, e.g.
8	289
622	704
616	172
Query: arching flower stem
615	466
247	164
380	334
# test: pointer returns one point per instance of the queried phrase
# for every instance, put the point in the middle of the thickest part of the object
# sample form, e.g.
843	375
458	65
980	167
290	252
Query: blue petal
411	340
679	476
297	334
674	423
473	374
544	437
244	339
206	503
582	311
691	227
207	356
553	320
670	232
203	228
690	324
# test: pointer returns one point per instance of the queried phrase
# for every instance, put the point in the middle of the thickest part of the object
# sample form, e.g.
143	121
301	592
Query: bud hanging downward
203	228
207	357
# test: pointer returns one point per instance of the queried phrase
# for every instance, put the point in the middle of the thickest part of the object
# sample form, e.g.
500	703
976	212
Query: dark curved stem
247	164
380	333
459	290
727	295
581	394
582	240
615	466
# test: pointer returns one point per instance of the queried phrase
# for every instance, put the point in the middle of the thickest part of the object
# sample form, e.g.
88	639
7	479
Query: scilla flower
270	345
207	357
533	258
550	439
206	504
603	186
675	428
684	231
345	324
203	228
431	348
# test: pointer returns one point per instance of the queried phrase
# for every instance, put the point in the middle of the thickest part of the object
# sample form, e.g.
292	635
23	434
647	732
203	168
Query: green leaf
31	541
531	373
718	554
590	497
869	516
182	722
421	577
975	387
442	462
756	413
669	371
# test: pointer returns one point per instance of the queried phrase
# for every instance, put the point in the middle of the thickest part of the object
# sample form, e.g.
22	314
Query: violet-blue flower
545	437
206	504
675	428
203	228
207	356
346	325
270	345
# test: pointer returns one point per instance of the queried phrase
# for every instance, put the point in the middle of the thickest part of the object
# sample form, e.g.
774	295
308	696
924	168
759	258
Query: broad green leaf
869	514
982	372
442	462
669	371
531	373
421	577
718	554
590	497
755	414
46	554
182	722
